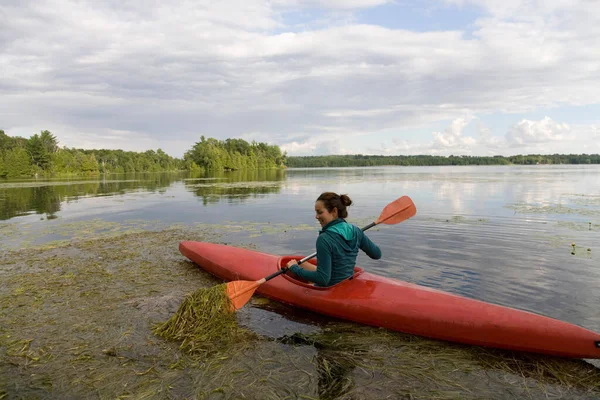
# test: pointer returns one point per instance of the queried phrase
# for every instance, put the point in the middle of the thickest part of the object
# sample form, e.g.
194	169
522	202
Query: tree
86	163
45	157
40	157
5	140
49	142
17	163
234	154
63	162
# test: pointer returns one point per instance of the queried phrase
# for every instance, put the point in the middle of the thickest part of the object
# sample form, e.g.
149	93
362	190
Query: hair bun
345	200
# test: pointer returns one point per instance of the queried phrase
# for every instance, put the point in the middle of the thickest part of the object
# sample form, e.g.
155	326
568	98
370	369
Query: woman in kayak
337	244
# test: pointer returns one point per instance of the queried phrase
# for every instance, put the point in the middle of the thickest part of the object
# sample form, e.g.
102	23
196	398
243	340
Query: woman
337	244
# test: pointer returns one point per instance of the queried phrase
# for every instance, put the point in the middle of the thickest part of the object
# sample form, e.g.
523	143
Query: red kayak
393	304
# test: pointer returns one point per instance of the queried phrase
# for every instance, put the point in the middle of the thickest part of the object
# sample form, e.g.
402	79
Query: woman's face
322	215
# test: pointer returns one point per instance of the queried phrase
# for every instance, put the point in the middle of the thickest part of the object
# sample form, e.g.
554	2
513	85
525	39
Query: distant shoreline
359	160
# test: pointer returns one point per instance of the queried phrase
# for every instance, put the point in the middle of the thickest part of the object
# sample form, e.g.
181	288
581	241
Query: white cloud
399	146
450	141
358	113
488	144
233	68
316	148
452	137
543	136
543	131
524	8
330	141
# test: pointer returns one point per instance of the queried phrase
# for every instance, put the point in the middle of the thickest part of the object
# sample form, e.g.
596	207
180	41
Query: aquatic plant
203	322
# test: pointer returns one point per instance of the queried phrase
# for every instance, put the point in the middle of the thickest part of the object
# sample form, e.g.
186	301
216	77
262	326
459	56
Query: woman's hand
305	265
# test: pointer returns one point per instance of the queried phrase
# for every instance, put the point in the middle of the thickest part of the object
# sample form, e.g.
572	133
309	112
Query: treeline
359	160
41	155
233	154
119	161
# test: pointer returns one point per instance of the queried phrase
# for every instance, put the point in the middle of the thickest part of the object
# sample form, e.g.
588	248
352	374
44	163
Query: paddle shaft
284	269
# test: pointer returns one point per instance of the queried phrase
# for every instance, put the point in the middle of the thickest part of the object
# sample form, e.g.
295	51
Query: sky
399	77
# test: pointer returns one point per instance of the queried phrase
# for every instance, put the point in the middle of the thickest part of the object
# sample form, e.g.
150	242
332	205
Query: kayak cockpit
290	276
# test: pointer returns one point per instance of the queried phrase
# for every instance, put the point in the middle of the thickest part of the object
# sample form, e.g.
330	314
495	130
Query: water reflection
499	191
21	201
47	196
235	186
18	198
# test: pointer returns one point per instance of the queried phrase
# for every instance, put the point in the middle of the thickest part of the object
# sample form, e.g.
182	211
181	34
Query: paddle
399	210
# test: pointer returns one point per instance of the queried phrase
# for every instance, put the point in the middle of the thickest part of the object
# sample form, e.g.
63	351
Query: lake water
501	234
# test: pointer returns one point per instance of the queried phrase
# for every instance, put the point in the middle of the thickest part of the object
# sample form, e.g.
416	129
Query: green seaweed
204	322
76	321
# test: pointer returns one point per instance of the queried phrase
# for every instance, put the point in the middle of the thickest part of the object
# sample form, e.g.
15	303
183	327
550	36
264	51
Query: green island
40	155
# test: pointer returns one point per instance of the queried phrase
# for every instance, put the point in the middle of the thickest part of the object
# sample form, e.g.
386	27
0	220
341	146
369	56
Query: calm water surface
498	234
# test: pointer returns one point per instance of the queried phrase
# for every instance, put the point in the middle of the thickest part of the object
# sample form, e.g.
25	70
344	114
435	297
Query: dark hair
333	200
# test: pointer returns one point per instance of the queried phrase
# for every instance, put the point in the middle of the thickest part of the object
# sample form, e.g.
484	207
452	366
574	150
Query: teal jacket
337	248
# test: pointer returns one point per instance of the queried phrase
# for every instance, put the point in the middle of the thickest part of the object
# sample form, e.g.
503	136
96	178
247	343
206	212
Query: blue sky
420	16
473	77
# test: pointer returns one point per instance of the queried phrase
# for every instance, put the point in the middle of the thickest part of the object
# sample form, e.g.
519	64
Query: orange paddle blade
397	211
240	292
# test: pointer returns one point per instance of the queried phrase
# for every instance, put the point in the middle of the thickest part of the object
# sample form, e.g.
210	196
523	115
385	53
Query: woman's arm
305	265
370	248
322	274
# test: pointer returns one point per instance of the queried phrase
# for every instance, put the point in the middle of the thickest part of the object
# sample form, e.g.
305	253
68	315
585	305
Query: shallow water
498	234
76	323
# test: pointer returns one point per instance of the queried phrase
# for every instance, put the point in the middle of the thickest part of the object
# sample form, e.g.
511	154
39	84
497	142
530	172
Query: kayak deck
397	305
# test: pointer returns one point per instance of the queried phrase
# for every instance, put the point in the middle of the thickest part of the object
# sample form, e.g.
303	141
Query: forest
233	154
41	155
360	160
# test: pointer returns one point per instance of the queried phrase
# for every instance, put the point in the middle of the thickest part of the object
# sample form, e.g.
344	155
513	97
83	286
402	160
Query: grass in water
203	322
76	322
351	359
